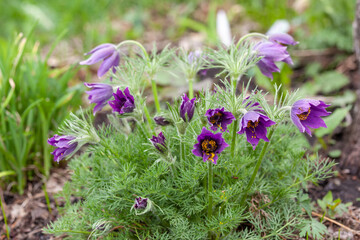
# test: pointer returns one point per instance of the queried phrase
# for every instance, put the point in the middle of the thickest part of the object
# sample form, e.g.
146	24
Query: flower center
303	116
216	118
252	124
209	146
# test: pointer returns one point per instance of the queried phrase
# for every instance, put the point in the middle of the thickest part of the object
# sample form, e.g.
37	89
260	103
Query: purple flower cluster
209	145
64	147
307	113
108	54
272	51
124	102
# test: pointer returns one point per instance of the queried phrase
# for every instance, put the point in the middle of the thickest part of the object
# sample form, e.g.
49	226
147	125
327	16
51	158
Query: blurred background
42	42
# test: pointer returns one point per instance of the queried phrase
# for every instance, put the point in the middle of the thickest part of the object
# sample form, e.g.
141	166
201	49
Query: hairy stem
182	149
191	90
250	35
210	189
146	55
148	118
233	142
257	167
156	99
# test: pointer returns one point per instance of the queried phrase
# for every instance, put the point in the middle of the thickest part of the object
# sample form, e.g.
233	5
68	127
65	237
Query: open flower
140	203
254	124
124	102
187	108
307	113
64	146
159	142
106	52
100	93
219	118
209	145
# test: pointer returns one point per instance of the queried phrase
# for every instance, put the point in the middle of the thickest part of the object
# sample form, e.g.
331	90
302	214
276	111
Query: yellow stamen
303	116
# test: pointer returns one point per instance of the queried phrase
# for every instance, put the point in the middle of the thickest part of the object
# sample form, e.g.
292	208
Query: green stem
47	199
233	142
257	167
250	35
148	118
191	90
5	219
156	99
210	189
146	55
182	149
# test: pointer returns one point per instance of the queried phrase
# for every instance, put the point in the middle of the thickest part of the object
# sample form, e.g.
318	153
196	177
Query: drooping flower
140	203
282	38
219	118
187	108
209	145
159	142
124	102
254	124
106	52
161	121
307	113
64	146
100	93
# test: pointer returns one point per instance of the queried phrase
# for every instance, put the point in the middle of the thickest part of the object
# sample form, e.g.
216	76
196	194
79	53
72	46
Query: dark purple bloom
159	142
271	52
64	147
100	93
254	124
140	203
209	145
307	113
159	120
187	108
124	102
219	118
106	52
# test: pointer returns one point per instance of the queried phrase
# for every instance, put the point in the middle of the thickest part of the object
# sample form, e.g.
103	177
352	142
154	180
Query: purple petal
283	38
98	56
107	64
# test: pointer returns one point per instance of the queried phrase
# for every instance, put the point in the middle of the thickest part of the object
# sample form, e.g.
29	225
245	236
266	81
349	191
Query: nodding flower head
161	121
106	52
254	124
159	142
307	113
100	93
219	118
209	145
140	203
273	51
124	102
187	108
65	146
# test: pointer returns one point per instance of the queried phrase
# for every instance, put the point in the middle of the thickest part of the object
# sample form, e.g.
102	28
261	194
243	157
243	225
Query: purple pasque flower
161	121
271	52
254	124
64	146
209	145
140	203
282	38
219	118
159	142
100	93
187	108
307	113
124	102
106	52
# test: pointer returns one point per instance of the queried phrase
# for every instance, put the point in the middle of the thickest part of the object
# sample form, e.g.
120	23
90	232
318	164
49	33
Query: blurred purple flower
219	118
140	203
99	94
254	124
209	145
124	102
64	147
187	108
282	38
106	52
159	142
307	113
161	121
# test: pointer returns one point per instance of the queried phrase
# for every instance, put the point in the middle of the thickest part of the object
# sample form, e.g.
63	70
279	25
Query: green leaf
6	173
335	153
313	228
332	121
